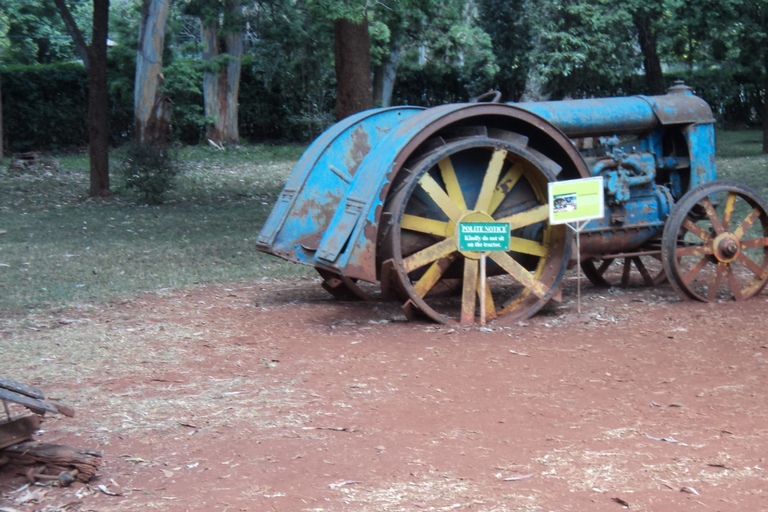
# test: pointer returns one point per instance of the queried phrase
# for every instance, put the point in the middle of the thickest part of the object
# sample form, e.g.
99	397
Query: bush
45	106
148	171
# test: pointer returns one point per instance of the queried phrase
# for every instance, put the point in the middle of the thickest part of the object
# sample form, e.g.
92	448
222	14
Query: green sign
576	200
483	236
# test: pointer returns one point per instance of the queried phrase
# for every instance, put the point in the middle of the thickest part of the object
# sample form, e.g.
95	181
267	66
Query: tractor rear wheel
489	177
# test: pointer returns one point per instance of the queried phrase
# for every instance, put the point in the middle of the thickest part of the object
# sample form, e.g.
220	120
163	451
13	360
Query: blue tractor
379	196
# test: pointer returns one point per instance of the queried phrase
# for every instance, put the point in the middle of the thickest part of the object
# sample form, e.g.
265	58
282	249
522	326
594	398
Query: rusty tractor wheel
640	270
715	243
490	177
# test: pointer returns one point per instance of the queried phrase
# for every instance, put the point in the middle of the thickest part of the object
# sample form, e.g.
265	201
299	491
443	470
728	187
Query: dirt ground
272	396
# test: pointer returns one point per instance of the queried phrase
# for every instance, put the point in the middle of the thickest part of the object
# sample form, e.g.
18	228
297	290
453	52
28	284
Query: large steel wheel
715	243
491	177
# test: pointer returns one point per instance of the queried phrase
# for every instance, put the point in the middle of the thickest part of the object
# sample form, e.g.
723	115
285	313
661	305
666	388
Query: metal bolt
730	248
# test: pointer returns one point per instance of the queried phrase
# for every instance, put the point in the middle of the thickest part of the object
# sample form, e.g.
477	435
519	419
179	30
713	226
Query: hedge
45	106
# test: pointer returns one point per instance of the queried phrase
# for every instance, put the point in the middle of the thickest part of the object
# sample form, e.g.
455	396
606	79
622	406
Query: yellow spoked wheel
715	243
482	178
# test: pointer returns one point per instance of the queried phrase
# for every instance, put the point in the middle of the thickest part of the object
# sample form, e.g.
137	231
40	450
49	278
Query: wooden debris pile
39	461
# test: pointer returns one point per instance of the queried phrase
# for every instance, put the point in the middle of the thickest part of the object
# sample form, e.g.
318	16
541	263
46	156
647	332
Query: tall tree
32	32
434	42
2	141
645	16
353	66
394	29
222	33
151	107
352	53
292	54
582	48
512	41
95	58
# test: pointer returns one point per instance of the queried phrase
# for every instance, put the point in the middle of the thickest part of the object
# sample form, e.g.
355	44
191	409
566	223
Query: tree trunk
384	77
98	102
95	59
353	68
152	110
2	145
765	99
647	39
221	90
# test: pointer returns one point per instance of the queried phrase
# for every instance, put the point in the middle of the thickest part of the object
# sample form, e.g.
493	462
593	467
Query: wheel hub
727	247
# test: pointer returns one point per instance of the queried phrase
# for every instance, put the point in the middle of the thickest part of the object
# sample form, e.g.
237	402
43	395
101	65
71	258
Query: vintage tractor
378	198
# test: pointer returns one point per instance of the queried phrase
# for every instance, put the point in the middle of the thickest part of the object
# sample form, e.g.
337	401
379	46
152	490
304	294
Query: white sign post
574	203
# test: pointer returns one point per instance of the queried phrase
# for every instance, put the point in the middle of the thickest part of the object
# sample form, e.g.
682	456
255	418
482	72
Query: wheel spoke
525	246
695	250
424	225
733	283
730	202
626	272
452	183
712	214
760	272
694	271
748	222
429	254
432	275
528	217
647	279
717	279
753	243
519	273
696	230
440	197
604	266
505	186
490	180
468	291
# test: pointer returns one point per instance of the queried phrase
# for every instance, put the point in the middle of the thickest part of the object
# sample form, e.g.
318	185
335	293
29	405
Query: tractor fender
349	245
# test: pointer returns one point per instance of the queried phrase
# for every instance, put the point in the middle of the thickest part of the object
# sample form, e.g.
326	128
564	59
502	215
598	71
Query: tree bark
95	59
56	457
353	68
2	141
152	110
221	89
98	102
647	38
384	77
765	99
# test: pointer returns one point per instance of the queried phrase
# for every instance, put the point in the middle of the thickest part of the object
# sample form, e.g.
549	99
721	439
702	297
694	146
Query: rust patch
361	146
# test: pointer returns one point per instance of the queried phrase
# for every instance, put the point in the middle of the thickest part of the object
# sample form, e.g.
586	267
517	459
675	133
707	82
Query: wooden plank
18	387
38	406
18	430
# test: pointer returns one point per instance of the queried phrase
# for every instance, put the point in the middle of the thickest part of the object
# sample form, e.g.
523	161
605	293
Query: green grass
739	157
60	249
